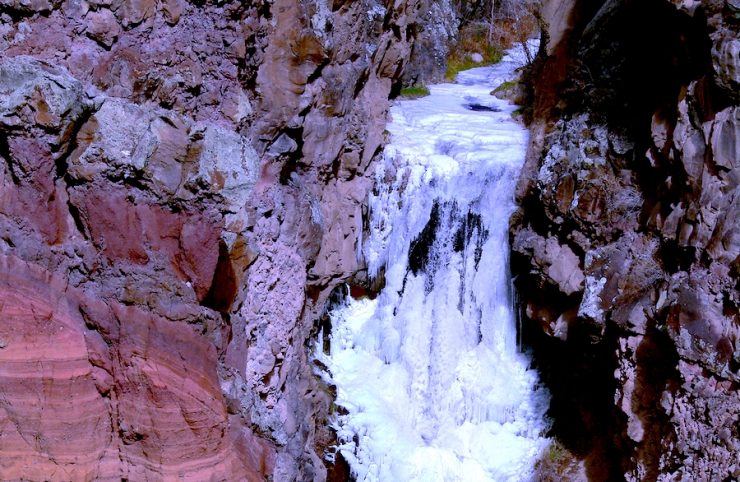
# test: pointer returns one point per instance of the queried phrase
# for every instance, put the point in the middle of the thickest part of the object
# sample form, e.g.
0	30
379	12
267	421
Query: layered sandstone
101	390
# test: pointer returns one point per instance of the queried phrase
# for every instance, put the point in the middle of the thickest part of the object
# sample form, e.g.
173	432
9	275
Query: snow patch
591	303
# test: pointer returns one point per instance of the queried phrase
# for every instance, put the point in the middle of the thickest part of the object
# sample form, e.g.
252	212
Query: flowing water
430	379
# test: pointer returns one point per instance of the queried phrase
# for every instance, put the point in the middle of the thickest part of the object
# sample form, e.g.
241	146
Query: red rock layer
99	390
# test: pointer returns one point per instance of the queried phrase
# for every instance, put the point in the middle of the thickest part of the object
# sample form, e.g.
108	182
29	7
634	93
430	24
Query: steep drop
431	381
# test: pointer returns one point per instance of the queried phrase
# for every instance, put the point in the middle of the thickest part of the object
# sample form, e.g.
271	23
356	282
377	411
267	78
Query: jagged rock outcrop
436	32
182	189
633	169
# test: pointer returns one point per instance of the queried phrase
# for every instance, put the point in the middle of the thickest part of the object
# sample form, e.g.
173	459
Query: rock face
181	189
627	242
104	390
437	30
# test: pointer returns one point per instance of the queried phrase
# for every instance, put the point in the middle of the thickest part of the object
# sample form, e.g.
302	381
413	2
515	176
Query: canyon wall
182	188
626	246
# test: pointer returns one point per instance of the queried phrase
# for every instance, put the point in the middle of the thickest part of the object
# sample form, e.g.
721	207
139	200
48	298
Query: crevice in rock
224	286
292	160
656	361
579	372
316	74
676	258
62	169
361	81
79	223
17	14
5	154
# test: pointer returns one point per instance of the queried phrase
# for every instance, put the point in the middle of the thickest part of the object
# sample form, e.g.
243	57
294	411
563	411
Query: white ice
429	372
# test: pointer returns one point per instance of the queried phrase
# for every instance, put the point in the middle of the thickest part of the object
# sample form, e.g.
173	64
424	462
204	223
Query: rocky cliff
627	243
182	188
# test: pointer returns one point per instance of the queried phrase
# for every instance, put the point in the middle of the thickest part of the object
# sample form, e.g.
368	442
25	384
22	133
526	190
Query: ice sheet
430	373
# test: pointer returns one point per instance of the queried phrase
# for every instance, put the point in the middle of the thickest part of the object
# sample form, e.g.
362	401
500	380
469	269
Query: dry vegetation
473	38
488	28
556	464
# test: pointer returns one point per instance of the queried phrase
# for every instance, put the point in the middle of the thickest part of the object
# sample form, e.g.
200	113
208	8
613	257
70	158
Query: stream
430	379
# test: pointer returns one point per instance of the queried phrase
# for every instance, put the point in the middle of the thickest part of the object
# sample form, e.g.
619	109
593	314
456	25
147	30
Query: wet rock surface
632	173
182	189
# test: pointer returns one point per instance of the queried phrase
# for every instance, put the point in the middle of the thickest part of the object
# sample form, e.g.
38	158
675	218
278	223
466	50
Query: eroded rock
184	181
647	211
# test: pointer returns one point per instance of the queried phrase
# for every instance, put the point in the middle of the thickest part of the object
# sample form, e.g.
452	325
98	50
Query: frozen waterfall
432	382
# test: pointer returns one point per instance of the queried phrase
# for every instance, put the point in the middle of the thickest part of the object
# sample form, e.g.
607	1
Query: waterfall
430	379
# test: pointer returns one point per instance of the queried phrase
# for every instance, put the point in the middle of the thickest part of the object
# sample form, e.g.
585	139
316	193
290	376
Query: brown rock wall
181	188
634	173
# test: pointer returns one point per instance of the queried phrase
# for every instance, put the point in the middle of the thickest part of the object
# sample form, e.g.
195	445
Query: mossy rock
414	92
510	90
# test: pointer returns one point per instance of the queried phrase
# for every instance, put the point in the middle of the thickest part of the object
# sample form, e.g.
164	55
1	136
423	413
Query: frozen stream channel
429	373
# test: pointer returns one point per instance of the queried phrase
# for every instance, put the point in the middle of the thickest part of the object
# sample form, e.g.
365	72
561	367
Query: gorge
215	215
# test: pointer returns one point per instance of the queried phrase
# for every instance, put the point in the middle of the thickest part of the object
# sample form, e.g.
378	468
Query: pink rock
94	389
103	27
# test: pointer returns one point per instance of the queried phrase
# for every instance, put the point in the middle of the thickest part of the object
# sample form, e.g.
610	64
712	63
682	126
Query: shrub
491	26
557	463
473	38
414	92
508	85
